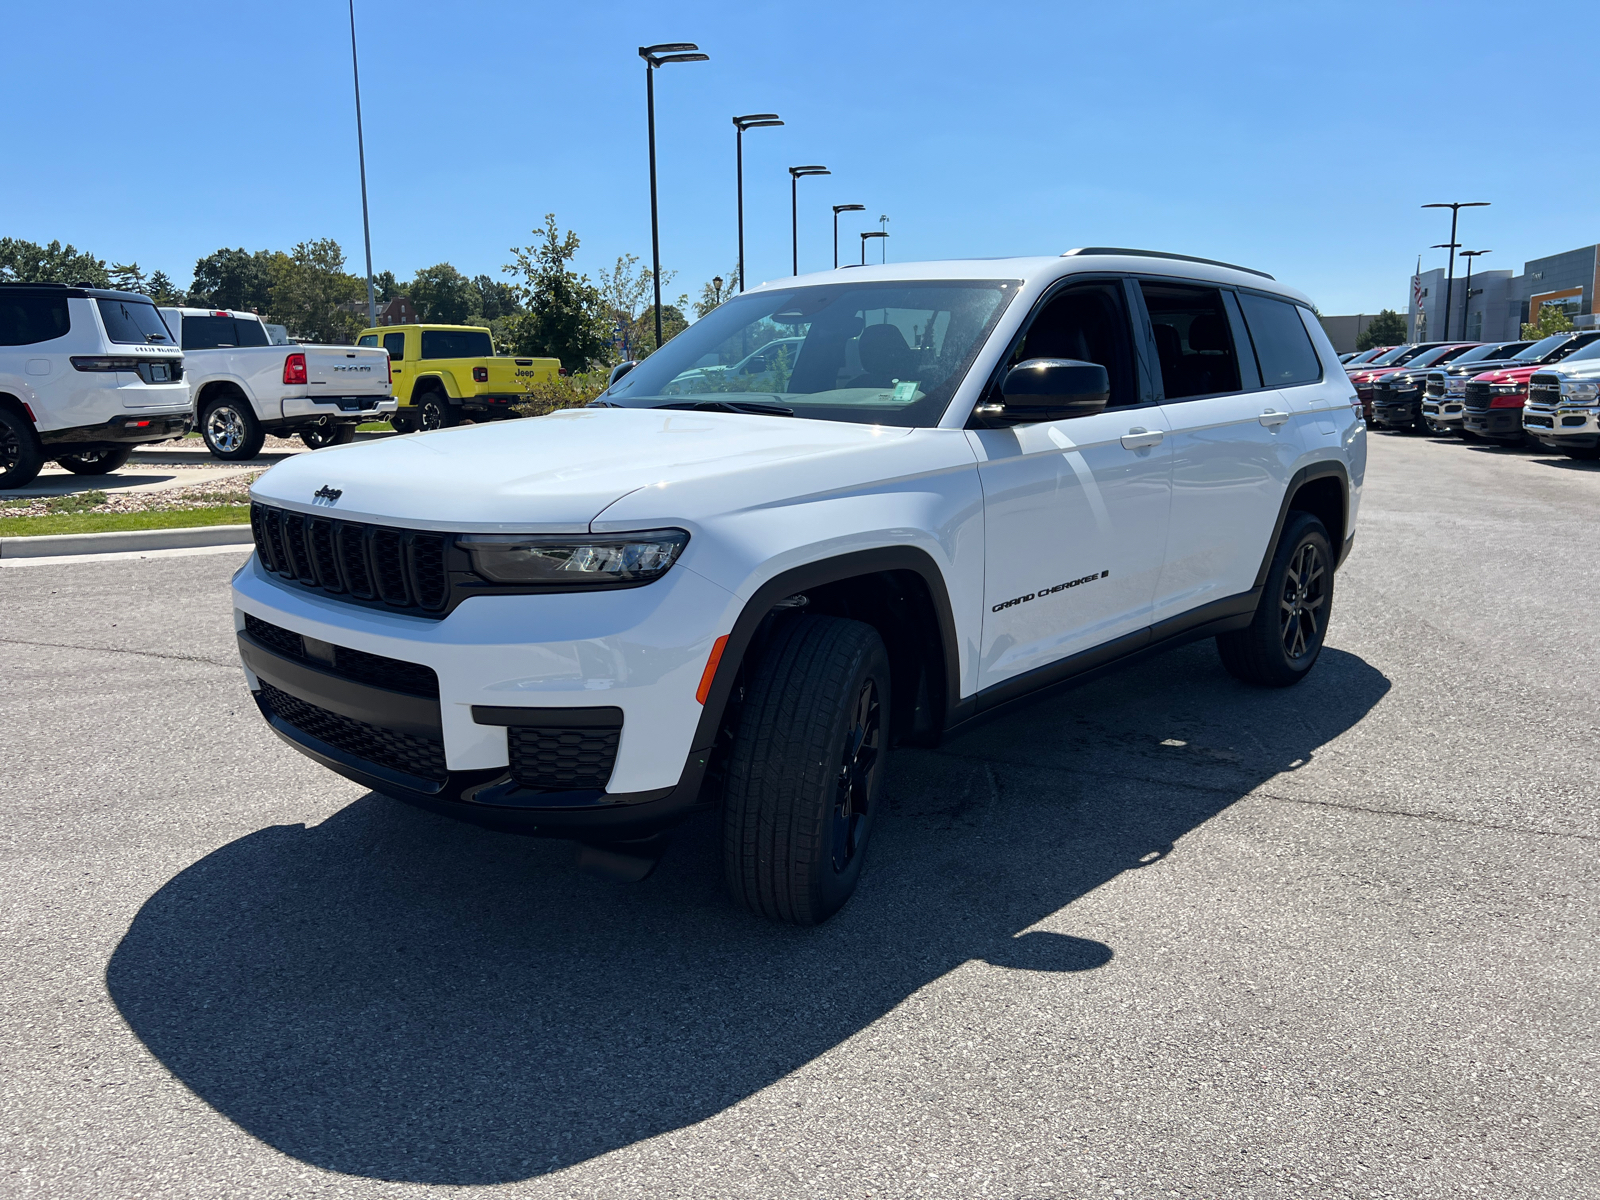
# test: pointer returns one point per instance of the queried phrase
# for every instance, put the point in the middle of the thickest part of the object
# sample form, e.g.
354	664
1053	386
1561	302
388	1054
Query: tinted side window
1194	344
131	323
395	344
450	343
30	317
1088	322
211	333
251	333
1283	347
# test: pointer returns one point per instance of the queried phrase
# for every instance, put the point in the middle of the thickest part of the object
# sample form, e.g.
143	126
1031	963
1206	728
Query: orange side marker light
706	676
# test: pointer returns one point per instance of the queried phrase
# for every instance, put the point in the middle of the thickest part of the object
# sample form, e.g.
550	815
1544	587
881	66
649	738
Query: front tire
96	462
1282	642
230	429
805	772
21	455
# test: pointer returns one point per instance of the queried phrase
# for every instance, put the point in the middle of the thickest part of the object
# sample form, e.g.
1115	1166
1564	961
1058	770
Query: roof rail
1210	262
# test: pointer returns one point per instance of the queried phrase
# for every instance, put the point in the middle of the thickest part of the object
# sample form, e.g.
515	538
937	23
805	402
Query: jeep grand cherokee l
969	482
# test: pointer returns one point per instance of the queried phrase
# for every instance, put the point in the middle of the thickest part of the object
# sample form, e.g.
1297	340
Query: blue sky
1298	138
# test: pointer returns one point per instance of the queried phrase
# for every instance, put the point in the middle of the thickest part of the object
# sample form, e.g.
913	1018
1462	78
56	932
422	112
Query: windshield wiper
734	406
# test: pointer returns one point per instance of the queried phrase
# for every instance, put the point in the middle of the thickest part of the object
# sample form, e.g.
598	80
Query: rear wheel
96	462
805	773
433	411
1281	644
230	429
318	436
21	456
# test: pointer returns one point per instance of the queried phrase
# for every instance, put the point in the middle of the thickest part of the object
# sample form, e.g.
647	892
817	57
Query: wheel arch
1323	490
16	404
214	388
424	384
899	591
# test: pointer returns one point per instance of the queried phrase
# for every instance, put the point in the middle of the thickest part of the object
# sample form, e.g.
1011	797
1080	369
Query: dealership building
1501	301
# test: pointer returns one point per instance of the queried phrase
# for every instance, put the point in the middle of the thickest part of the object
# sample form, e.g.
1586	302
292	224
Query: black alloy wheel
433	412
21	456
852	803
97	462
1284	638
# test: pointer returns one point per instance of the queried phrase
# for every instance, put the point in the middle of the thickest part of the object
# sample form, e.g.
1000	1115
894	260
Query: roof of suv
77	292
1053	266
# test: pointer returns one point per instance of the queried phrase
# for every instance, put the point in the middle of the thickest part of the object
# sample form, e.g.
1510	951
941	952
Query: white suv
85	375
961	483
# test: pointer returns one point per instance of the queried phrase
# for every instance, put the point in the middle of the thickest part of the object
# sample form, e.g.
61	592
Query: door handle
1139	438
1273	418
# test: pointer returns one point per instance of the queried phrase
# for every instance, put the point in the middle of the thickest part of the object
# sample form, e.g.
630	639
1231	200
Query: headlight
562	560
1505	389
1579	391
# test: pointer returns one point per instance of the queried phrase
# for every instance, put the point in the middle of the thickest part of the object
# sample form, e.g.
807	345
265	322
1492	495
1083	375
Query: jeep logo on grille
326	494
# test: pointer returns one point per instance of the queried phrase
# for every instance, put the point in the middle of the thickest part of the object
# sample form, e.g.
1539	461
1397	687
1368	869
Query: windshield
134	323
1543	347
1438	354
1365	356
874	353
1592	350
1398	354
1479	353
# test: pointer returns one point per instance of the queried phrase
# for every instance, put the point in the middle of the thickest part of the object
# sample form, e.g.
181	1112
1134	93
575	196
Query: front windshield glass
873	353
1479	353
1438	354
1398	354
1365	356
1592	350
1542	347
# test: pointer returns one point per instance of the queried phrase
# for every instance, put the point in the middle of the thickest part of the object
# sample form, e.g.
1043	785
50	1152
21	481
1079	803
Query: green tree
445	296
496	300
1388	328
29	262
127	277
566	315
642	335
162	290
314	296
388	287
233	279
1552	319
716	290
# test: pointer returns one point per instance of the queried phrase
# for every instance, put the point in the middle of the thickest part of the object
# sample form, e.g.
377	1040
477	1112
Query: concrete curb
56	544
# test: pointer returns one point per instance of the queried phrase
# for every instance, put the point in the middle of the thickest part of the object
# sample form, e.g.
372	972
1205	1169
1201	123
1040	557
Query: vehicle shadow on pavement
398	996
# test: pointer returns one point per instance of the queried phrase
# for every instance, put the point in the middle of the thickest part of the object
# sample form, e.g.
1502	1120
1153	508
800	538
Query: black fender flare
1325	469
813	575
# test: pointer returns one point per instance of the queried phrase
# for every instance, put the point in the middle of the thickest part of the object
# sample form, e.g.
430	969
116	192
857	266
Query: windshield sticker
905	391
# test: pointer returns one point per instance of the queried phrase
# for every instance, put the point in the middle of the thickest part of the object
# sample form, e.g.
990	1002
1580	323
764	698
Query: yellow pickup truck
444	374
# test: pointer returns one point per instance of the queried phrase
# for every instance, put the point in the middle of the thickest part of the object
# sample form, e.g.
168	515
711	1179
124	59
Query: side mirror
621	369
1049	389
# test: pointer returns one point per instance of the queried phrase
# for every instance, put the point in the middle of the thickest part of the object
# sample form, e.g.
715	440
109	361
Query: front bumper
1493	422
1443	410
1563	426
1398	411
501	662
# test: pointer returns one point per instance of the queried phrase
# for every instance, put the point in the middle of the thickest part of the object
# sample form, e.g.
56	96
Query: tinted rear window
456	343
132	323
1283	347
29	317
212	333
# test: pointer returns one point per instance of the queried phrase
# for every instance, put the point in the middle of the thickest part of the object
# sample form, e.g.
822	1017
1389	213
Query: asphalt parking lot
1162	935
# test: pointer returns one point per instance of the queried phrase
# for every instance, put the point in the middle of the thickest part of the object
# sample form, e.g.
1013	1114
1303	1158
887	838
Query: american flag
1416	287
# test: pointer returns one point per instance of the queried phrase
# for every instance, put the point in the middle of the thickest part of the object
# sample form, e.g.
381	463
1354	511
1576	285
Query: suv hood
557	473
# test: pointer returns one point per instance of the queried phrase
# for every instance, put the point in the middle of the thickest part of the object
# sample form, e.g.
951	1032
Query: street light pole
361	158
656	56
1466	307
740	124
837	209
871	233
1450	277
794	206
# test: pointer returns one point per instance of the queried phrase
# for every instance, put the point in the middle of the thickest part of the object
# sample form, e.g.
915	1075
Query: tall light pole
656	56
361	158
740	124
883	224
794	205
1466	307
1452	247
837	209
1450	277
871	233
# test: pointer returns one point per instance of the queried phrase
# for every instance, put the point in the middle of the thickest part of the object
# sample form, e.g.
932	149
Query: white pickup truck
244	387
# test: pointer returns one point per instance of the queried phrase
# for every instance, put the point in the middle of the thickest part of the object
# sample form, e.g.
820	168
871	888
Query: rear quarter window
27	318
1283	347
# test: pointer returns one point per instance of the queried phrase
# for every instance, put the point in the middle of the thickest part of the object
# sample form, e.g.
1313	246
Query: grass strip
183	518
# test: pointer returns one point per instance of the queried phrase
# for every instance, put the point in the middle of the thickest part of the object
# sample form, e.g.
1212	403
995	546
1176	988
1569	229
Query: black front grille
399	568
1382	391
1435	385
397	675
1544	389
562	759
1477	396
1542	422
389	748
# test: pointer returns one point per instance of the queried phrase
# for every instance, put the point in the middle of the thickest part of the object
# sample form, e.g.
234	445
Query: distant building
1343	331
1502	301
399	311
